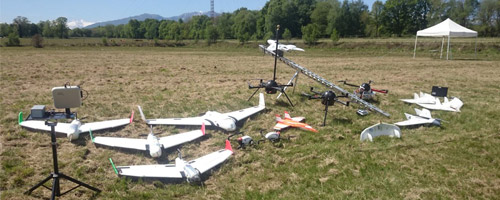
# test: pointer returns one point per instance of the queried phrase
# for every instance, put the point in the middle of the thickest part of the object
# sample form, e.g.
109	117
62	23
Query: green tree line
306	19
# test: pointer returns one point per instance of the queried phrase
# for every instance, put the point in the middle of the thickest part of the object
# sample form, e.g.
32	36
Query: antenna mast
212	12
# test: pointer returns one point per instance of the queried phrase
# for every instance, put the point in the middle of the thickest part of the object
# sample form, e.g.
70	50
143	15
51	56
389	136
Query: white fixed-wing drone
73	129
226	121
190	170
282	47
152	144
423	117
422	98
454	105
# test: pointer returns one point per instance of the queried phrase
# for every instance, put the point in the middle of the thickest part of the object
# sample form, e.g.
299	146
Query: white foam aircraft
152	144
423	117
454	105
73	129
226	121
189	170
422	98
282	47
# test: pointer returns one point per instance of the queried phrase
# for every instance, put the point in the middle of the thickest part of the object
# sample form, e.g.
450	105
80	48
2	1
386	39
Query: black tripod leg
79	182
253	94
326	112
287	98
54	189
39	184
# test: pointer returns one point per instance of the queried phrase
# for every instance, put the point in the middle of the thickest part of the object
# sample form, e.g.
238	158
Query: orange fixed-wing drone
295	122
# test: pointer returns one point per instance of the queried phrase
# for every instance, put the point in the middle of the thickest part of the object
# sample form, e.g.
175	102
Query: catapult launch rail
325	82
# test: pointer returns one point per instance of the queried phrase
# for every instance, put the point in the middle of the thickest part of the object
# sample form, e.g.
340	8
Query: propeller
271	86
328	98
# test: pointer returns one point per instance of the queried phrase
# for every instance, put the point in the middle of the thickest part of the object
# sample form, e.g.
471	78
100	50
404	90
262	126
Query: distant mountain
184	17
79	24
126	20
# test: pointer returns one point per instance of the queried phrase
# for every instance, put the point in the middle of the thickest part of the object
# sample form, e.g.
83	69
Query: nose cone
436	122
155	154
228	126
73	136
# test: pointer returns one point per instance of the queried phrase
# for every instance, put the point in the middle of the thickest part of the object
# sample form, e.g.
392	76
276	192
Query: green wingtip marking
20	117
91	136
113	164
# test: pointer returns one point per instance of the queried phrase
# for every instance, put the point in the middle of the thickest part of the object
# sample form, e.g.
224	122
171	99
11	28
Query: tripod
56	190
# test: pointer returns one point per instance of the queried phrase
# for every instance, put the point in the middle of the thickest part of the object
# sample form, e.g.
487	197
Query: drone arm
315	92
349	84
342	102
380	91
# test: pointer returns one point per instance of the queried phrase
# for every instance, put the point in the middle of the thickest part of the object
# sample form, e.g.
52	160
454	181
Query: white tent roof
447	28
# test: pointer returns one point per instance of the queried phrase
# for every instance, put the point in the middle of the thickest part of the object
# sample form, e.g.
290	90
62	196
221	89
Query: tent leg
442	43
415	49
475	50
448	49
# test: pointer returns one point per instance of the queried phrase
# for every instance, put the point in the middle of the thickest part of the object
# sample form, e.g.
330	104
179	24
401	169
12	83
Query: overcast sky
104	10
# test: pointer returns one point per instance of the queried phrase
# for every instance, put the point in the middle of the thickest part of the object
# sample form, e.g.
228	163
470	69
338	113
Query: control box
38	111
67	96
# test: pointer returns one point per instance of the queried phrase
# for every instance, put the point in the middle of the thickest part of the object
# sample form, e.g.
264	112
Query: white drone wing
177	139
94	126
129	143
40	125
211	160
244	113
188	121
438	106
152	171
412	120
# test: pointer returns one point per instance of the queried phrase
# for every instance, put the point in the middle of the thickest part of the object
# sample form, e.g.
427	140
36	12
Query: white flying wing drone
282	47
454	105
189	170
152	144
73	129
422	98
423	117
226	121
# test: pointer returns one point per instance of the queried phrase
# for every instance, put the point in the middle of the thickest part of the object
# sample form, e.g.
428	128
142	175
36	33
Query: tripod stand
56	190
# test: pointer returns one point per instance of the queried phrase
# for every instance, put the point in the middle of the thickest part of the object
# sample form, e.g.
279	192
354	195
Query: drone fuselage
191	174
328	97
154	145
75	128
220	120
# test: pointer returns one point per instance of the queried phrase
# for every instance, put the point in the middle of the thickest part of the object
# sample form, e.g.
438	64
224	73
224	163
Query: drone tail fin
132	117
114	167
20	117
278	118
262	103
91	135
142	114
203	128
287	115
228	146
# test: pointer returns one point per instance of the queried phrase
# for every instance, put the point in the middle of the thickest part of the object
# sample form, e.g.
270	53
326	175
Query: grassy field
457	161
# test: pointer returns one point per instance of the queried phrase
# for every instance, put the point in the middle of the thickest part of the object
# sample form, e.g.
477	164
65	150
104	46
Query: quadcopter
328	98
365	91
271	86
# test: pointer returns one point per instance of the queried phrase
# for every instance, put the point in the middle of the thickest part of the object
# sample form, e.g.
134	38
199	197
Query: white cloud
79	23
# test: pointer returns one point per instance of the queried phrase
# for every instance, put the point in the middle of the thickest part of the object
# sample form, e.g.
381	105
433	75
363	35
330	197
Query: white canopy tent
446	28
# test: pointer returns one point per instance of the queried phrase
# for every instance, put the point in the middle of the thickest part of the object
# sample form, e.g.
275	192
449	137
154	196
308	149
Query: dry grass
459	160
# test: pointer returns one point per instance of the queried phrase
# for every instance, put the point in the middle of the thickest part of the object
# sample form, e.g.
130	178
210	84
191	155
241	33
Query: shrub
13	40
105	41
37	41
310	34
287	35
335	36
